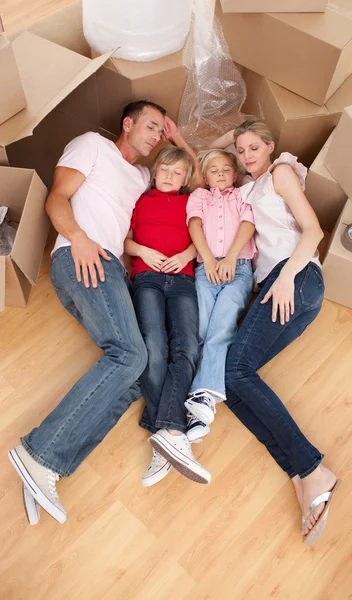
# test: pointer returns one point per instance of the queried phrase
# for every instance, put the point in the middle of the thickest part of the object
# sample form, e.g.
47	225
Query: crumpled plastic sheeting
7	233
215	90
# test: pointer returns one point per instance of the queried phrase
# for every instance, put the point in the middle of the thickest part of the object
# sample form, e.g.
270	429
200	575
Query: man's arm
85	252
172	133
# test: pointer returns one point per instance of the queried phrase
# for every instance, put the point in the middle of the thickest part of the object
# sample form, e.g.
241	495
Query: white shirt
277	231
103	204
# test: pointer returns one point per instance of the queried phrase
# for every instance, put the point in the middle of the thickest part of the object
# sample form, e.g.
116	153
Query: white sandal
314	534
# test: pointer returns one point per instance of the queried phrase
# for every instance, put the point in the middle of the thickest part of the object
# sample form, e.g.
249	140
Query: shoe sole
195	409
31	507
153	479
34	490
182	465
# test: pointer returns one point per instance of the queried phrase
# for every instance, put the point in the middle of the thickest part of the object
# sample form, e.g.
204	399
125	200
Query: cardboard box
339	156
272	6
12	98
337	265
25	194
309	54
323	192
298	125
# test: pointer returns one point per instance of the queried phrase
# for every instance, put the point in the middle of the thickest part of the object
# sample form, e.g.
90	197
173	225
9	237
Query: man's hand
170	130
152	258
176	263
226	269
210	267
86	256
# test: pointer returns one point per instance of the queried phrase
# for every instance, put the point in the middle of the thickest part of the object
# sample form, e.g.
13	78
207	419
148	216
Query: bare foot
320	481
297	484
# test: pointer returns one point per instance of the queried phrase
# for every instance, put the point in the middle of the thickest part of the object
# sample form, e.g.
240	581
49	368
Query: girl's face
253	153
170	177
220	173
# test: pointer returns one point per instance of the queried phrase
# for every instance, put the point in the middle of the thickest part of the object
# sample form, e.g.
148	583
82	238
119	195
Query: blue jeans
257	342
220	308
97	401
167	313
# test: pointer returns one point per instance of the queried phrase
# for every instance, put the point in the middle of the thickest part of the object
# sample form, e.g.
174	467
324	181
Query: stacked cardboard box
271	6
337	265
12	98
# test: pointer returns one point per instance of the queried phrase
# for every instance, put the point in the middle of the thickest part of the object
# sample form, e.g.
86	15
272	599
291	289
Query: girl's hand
175	263
152	258
211	270
282	292
226	269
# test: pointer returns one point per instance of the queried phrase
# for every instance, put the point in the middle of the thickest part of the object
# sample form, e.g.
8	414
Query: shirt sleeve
81	154
195	205
245	209
134	217
145	173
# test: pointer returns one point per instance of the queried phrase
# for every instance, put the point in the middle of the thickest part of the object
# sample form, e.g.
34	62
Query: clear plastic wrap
139	30
215	90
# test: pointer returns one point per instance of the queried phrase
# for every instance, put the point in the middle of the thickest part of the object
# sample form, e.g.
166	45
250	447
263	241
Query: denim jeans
220	308
167	313
97	401
257	342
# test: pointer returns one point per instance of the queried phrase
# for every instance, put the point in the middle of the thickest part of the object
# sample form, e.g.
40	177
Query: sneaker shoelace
193	420
206	399
52	479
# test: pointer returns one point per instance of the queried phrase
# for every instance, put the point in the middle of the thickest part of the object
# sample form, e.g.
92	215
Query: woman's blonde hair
255	126
169	156
205	156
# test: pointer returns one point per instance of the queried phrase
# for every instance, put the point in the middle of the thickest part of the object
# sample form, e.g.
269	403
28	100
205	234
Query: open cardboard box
339	156
25	194
309	54
337	265
268	6
323	192
12	98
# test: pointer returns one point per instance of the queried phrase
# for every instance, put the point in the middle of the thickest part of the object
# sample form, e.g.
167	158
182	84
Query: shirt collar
153	192
224	193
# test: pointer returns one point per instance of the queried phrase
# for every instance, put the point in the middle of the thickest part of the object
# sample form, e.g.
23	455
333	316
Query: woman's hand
226	268
152	258
282	293
211	270
176	263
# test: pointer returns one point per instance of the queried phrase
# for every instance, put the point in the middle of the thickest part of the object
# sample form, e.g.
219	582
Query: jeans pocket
312	287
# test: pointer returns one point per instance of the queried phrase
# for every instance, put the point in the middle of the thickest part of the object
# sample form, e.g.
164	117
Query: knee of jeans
141	360
233	373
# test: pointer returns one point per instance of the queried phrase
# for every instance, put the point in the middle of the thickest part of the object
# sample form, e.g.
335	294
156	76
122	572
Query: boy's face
170	178
220	173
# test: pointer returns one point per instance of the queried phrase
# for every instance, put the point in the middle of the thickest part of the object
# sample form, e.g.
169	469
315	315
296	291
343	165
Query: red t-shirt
159	222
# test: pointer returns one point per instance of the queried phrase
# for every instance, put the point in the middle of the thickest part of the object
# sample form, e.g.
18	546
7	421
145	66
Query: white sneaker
177	450
39	481
157	470
31	506
196	429
202	405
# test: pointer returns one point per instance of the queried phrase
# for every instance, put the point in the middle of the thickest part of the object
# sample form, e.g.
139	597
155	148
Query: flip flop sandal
31	507
314	534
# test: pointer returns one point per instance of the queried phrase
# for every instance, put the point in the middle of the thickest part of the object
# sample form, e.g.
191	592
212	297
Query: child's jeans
220	308
167	314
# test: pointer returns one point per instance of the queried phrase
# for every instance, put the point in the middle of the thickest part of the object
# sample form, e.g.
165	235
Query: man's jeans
97	401
257	342
167	313
220	308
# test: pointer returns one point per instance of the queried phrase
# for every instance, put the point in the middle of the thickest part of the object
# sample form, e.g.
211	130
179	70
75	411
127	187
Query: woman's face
220	173
253	153
170	177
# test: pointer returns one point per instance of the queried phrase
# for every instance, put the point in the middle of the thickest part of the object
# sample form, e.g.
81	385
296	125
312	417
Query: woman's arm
287	185
198	238
227	266
150	257
223	141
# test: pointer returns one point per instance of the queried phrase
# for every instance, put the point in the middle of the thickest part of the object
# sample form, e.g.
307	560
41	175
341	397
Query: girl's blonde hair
205	156
169	156
255	126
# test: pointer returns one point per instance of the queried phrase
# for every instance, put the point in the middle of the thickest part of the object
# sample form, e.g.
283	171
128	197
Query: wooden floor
237	538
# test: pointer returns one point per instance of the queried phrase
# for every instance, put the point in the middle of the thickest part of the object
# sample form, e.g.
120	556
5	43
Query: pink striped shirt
221	214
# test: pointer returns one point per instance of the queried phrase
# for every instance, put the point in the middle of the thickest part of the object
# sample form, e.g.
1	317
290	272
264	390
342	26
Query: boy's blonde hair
255	126
205	156
169	156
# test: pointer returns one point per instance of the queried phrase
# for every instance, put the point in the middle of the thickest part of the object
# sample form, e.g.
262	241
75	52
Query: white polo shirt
103	204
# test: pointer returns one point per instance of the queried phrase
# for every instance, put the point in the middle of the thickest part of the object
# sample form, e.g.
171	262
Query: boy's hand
226	269
152	258
175	263
210	267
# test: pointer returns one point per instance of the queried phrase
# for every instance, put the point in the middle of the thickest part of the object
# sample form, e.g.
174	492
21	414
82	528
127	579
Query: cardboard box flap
32	231
137	70
293	106
346	215
332	27
49	73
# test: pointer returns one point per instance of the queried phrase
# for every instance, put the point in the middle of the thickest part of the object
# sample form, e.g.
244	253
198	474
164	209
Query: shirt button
220	206
220	241
220	216
221	228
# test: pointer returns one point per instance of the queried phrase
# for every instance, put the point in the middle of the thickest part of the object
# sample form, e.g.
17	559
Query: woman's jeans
220	308
167	313
97	401
257	342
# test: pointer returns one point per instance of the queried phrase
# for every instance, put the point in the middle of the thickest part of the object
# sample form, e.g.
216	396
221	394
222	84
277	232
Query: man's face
146	132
